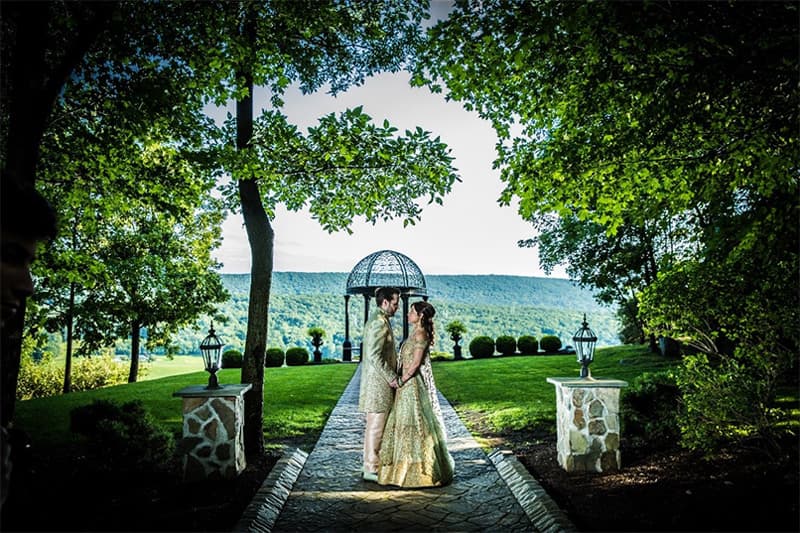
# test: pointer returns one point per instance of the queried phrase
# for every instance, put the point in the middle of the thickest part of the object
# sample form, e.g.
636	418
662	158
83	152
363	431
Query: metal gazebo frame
385	268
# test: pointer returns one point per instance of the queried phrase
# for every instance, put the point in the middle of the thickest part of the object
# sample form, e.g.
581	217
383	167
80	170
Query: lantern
584	340
211	349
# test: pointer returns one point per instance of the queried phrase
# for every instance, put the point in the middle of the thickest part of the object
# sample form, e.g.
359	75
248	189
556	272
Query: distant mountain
490	305
473	289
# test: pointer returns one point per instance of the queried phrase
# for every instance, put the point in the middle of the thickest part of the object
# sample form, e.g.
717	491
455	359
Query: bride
414	449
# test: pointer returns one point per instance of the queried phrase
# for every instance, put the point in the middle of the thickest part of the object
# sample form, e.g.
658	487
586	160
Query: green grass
162	367
513	393
297	400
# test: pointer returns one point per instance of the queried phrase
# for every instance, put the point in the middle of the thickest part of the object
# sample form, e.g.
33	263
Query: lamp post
211	349
584	340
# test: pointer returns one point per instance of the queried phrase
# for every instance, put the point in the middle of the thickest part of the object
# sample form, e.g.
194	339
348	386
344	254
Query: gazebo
385	268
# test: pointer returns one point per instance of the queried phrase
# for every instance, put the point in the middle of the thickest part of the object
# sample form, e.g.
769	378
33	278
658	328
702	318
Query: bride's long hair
426	313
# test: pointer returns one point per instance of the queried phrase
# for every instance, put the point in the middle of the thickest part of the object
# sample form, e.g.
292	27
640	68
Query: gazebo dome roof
386	268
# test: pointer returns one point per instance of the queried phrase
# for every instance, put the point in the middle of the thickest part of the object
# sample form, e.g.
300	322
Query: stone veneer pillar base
213	431
587	412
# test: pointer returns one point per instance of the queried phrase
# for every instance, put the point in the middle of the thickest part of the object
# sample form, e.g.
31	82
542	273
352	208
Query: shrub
481	347
296	356
506	345
274	358
123	439
723	400
45	378
550	344
650	408
232	359
441	356
528	345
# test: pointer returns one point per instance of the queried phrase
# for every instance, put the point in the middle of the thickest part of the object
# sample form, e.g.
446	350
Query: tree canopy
676	121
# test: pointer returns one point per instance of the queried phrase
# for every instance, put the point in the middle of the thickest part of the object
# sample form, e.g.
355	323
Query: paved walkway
323	490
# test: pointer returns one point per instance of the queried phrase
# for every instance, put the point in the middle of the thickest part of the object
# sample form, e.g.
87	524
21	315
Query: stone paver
323	491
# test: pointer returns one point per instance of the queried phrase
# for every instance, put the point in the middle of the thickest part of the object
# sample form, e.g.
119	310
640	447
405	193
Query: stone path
323	490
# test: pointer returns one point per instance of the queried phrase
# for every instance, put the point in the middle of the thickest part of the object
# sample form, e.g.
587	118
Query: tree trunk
70	321
261	238
135	329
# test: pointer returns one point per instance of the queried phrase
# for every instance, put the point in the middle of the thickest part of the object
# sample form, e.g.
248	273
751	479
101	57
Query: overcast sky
469	234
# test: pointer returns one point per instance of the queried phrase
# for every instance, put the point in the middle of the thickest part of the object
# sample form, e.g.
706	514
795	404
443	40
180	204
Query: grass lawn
162	367
297	400
513	393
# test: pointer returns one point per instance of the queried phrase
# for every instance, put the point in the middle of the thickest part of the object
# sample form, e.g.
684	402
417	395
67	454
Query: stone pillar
213	431
587	413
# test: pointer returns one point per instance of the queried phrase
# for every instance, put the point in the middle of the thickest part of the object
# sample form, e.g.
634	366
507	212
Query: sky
469	234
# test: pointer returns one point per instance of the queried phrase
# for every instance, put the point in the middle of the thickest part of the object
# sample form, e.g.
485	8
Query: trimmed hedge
274	358
550	344
481	347
528	345
296	356
506	345
232	359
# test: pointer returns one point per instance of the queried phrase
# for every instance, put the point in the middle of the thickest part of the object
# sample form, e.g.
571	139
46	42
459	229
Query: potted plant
456	329
316	335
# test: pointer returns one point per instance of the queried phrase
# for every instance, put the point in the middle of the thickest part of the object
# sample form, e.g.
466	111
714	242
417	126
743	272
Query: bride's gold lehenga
414	447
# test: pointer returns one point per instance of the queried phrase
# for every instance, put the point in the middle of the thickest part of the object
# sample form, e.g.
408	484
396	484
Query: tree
622	114
618	266
344	167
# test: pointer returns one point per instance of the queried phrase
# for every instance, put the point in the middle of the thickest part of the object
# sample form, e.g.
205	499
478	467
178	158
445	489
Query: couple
404	439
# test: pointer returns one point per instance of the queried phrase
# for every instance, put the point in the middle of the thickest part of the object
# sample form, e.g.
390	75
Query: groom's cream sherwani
378	365
378	369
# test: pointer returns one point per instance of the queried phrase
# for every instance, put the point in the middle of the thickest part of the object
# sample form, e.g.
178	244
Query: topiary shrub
550	344
528	345
481	347
296	356
123	439
274	358
232	359
506	345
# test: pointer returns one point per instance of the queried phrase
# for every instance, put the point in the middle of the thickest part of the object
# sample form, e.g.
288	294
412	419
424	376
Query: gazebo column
366	317
405	316
347	347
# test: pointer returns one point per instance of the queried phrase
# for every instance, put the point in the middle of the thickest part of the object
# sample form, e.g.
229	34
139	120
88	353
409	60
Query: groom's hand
393	383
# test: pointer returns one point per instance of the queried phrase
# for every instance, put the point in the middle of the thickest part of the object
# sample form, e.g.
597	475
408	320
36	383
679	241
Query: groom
378	376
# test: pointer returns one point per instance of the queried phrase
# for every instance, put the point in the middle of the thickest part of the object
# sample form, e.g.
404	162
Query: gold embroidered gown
414	447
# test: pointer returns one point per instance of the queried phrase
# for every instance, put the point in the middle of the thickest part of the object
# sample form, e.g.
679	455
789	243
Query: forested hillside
487	305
